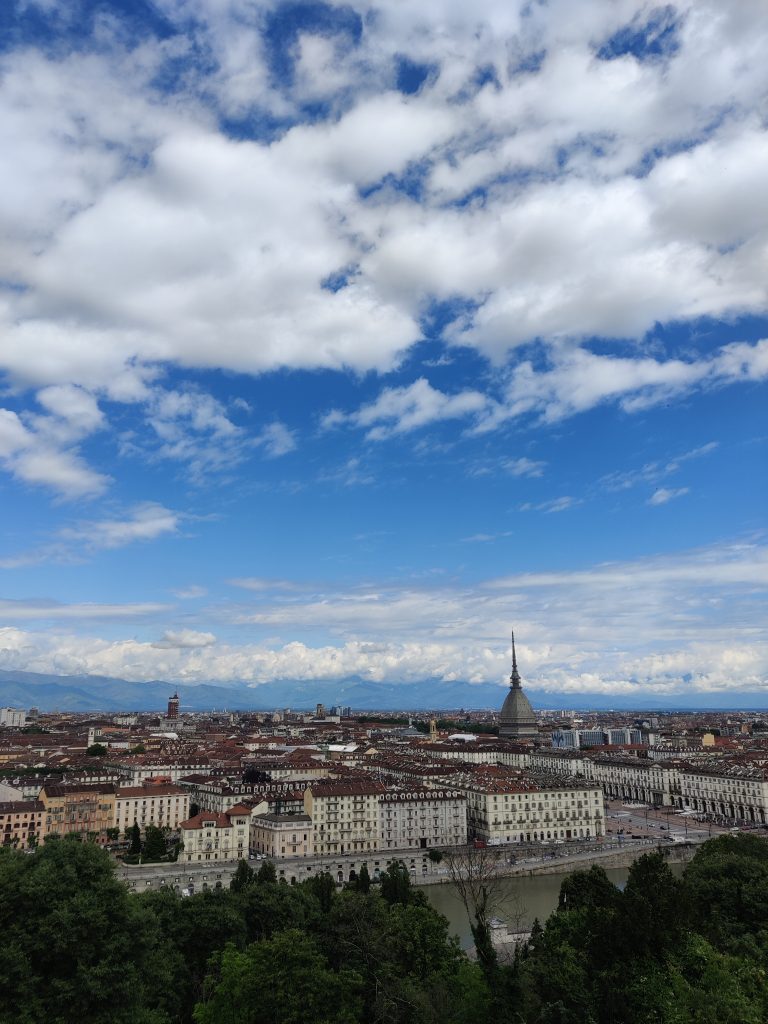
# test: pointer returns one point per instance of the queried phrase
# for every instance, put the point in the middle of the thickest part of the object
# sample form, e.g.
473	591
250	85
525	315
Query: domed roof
516	709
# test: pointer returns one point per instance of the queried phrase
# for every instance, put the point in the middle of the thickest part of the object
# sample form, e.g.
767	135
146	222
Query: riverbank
195	877
613	856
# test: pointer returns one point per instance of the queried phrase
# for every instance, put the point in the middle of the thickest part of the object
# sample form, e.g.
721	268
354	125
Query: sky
336	340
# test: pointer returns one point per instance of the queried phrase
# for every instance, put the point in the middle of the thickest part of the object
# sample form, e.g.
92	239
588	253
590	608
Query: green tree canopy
283	980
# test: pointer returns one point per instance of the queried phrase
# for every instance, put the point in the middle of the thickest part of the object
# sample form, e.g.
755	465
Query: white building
13	717
635	779
345	816
216	837
424	819
519	811
737	790
163	806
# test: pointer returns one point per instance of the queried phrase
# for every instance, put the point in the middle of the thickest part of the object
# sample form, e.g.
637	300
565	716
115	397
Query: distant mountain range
104	693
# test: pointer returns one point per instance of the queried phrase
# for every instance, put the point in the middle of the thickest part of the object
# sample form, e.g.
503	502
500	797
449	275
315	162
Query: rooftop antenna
514	679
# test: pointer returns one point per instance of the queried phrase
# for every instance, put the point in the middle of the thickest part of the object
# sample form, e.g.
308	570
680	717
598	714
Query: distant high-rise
517	720
173	706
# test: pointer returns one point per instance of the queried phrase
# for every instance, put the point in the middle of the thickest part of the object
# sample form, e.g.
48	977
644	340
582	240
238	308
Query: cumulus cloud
600	213
34	454
400	410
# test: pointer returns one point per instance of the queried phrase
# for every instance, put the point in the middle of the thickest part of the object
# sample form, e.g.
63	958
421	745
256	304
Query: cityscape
331	790
383	492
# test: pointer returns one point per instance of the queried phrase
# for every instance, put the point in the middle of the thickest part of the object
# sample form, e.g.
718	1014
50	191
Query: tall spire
514	679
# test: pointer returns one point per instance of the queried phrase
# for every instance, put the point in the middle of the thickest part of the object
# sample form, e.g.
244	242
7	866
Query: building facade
422	820
82	809
216	837
523	813
345	816
281	835
163	806
21	823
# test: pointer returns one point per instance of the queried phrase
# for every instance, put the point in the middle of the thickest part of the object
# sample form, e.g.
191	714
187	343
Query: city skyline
337	340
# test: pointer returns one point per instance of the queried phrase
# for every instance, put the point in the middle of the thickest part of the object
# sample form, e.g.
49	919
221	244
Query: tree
396	885
134	838
267	872
364	880
283	980
242	877
322	887
155	848
96	750
75	944
474	873
194	810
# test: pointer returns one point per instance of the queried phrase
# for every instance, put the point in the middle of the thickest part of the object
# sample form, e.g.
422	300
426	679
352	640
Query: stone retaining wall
199	877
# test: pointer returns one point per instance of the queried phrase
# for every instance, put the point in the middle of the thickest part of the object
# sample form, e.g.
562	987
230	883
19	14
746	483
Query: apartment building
281	835
482	753
635	779
737	790
21	823
220	794
140	768
164	806
210	836
78	808
423	820
345	816
13	717
518	811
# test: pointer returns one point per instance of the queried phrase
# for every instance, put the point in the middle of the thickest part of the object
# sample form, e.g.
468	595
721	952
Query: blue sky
337	339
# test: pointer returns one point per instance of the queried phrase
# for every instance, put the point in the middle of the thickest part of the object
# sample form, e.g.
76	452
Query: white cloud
662	495
683	624
133	255
63	471
182	639
43	610
258	583
190	593
277	440
561	504
146	521
524	467
400	410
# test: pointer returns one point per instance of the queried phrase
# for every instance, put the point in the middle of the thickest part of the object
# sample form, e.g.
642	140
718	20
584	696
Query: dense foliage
76	946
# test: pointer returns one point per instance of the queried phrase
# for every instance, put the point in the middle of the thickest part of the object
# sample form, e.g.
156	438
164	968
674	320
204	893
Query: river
523	899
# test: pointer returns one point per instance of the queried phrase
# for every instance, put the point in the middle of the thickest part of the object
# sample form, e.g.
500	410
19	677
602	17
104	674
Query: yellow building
21	823
78	808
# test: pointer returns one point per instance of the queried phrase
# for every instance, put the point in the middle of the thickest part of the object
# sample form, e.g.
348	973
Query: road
656	822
